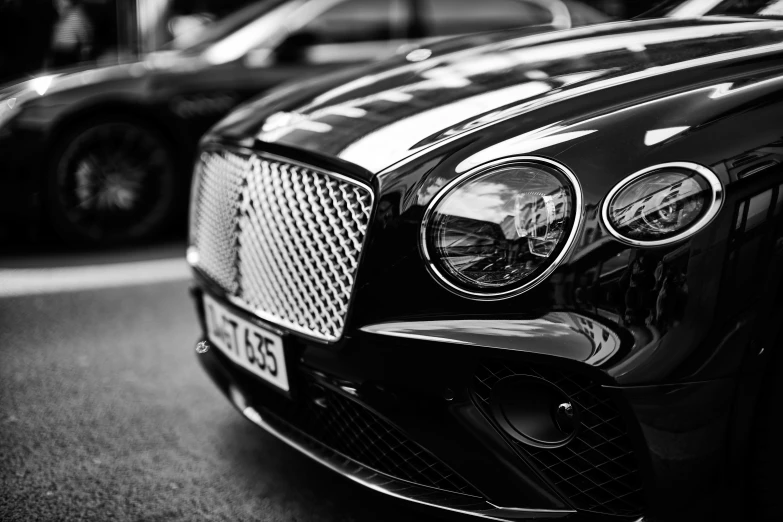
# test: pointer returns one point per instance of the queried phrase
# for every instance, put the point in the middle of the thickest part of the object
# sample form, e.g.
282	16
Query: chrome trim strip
398	489
485	169
715	204
282	159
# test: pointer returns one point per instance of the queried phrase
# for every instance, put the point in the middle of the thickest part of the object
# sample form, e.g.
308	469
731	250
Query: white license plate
248	345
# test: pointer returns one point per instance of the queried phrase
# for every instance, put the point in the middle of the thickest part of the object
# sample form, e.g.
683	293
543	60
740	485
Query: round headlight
501	229
662	204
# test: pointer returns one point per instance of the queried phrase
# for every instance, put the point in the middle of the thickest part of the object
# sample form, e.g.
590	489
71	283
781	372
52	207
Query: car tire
111	181
766	452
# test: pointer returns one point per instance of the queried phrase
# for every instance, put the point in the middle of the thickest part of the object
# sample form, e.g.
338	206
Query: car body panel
423	104
704	105
718	145
670	333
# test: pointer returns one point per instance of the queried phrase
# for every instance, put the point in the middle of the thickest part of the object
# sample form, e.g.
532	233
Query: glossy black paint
671	332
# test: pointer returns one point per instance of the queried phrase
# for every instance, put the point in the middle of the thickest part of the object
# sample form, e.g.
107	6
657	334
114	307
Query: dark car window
219	30
356	21
454	17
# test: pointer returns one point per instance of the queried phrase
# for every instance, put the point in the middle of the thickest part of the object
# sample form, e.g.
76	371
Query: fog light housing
534	411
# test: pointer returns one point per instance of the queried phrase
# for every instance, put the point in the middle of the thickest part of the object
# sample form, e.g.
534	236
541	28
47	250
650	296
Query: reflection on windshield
696	8
772	9
222	29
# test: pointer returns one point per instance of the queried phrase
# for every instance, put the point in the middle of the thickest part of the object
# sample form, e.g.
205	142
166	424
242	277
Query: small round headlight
501	229
662	204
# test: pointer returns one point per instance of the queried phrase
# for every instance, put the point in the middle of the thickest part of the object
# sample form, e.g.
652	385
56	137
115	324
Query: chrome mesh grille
215	218
349	427
282	239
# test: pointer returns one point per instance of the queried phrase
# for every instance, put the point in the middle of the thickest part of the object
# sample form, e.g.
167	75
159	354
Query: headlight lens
499	231
663	204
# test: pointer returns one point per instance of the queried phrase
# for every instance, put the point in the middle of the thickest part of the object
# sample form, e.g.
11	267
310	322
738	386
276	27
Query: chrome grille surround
282	239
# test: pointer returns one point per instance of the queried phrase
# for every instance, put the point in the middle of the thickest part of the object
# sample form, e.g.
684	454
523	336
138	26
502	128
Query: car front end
506	280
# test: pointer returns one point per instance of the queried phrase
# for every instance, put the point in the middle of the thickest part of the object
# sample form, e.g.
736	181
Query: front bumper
246	400
410	396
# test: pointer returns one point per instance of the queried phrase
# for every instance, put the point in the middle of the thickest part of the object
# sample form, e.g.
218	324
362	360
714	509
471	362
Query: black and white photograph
391	260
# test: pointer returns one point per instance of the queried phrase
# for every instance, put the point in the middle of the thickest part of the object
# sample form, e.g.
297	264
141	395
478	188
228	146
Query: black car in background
534	277
104	154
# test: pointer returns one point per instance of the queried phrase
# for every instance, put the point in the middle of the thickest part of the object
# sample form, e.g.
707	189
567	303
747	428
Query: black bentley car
104	154
532	277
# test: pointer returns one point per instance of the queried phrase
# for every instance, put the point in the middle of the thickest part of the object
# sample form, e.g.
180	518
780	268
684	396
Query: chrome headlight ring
712	185
558	252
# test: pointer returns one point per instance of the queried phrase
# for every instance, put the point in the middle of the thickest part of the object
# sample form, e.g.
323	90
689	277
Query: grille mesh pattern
597	471
358	433
281	238
215	217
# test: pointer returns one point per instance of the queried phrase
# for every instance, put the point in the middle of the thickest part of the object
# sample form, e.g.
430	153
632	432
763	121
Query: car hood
379	115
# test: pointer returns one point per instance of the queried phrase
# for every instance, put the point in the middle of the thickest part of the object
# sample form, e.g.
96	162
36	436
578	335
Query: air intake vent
597	470
283	240
355	431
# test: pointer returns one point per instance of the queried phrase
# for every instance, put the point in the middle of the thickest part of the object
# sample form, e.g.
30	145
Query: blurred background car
103	154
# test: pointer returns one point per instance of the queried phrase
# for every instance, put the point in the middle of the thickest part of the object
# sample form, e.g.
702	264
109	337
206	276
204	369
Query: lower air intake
358	433
597	470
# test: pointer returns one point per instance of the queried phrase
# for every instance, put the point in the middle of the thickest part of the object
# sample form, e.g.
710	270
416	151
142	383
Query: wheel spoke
84	202
116	179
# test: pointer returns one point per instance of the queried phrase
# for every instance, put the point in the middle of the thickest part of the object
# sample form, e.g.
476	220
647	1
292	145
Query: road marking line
32	281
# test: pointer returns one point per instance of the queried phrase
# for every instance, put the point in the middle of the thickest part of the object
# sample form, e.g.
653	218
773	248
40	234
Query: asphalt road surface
105	413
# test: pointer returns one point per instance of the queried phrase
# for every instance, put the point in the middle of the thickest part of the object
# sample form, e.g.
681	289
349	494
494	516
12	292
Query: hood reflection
407	107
